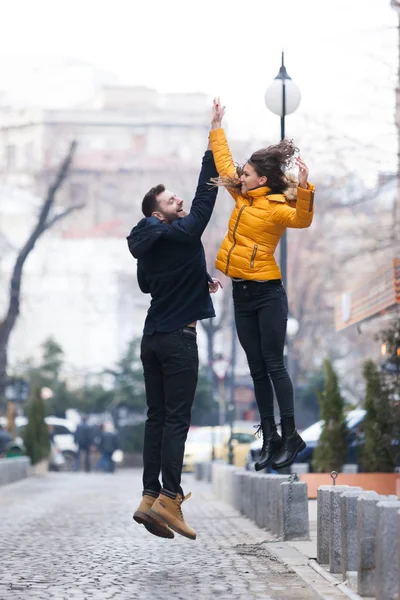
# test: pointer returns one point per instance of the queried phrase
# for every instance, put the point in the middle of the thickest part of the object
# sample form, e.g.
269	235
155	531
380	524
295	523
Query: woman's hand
214	285
218	112
303	173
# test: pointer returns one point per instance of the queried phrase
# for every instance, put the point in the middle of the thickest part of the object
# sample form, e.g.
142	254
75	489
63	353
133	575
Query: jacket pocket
253	256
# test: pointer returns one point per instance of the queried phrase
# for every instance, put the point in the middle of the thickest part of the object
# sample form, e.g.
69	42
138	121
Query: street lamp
283	98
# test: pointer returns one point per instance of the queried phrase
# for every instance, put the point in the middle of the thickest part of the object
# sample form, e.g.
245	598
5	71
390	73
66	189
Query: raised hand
218	112
303	172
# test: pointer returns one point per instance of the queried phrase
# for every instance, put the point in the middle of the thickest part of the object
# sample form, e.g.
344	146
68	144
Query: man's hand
218	112
213	287
182	214
303	173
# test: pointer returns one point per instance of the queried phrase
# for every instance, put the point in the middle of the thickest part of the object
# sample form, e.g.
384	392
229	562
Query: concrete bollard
324	521
276	517
198	471
387	551
335	531
349	501
294	511
236	488
269	492
246	498
14	469
398	549
262	500
366	544
208	471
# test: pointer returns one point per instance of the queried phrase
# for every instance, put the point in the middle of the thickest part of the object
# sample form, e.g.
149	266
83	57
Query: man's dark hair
149	203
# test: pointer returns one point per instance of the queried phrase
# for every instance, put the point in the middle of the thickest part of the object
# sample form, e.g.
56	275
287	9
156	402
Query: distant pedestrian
107	444
84	439
5	439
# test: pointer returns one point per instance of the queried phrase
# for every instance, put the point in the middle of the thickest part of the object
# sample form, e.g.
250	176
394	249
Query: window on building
110	192
29	154
78	193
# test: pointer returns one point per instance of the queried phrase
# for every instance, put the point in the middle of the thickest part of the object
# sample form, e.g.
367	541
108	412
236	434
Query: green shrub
331	452
36	434
375	455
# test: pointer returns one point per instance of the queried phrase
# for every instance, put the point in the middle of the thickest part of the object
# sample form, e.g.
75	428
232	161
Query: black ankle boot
272	443
292	444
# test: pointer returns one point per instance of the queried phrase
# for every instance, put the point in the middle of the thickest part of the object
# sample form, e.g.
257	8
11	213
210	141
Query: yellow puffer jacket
257	222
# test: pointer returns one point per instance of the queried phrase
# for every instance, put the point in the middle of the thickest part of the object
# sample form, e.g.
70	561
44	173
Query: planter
382	483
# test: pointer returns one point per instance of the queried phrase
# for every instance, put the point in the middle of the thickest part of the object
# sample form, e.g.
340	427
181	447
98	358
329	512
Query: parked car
63	437
200	441
311	436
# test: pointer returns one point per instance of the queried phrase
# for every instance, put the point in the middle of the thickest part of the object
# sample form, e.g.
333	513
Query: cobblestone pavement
71	536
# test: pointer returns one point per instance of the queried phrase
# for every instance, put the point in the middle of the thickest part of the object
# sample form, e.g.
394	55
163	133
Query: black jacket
171	262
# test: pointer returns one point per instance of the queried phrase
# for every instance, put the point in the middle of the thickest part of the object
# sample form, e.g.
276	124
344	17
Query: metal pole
232	390
283	242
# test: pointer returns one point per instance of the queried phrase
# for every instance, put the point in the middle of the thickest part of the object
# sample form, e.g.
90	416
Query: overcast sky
342	54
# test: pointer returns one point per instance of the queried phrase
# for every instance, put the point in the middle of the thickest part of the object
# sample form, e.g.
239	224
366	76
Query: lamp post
283	98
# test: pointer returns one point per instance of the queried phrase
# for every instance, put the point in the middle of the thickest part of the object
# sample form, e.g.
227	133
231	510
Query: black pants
261	312
171	365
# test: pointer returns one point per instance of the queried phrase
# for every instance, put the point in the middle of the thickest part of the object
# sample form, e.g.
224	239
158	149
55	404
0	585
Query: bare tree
45	220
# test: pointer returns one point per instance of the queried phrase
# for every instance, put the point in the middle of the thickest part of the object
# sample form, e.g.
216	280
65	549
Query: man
172	268
107	443
83	438
5	439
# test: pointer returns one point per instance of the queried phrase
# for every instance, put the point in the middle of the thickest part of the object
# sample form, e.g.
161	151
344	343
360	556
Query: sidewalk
72	536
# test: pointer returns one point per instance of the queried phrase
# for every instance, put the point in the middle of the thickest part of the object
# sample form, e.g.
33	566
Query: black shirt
171	262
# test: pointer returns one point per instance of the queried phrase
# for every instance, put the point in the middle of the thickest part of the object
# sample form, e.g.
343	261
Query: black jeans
171	365
261	312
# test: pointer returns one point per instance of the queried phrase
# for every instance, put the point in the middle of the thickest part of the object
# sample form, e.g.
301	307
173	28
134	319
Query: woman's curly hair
268	162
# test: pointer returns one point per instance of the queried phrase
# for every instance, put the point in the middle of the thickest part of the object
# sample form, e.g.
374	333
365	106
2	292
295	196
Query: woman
258	221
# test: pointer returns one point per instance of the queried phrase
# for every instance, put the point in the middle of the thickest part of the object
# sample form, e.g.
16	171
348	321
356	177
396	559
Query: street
72	536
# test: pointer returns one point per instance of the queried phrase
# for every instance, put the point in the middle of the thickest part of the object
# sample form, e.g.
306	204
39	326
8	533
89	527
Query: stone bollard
246	499
268	501
387	551
242	487
14	469
253	496
398	549
366	544
236	488
276	516
208	471
335	532
266	486
349	501
262	500
294	511
324	521
198	471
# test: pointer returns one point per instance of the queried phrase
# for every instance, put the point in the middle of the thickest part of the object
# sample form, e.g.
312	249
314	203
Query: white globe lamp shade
292	326
274	96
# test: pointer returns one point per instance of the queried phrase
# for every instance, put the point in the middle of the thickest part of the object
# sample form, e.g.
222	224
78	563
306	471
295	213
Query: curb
340	586
310	572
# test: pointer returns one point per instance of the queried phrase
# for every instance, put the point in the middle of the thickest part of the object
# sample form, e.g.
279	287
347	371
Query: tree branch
42	224
62	215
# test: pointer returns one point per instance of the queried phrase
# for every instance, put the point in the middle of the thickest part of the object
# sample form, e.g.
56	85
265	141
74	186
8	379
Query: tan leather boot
152	525
169	510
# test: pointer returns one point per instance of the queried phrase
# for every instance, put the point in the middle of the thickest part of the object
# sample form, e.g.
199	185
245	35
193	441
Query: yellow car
201	440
